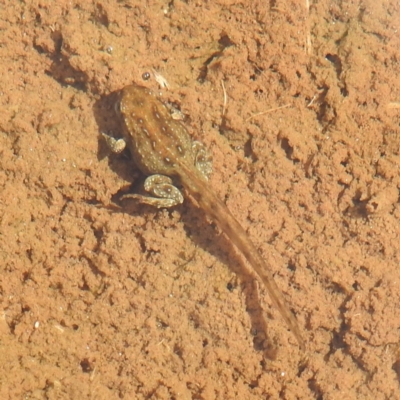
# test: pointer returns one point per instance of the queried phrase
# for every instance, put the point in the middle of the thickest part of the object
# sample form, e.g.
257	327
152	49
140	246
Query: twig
225	97
267	112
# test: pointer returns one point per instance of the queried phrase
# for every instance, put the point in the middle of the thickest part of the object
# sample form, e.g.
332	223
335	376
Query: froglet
165	152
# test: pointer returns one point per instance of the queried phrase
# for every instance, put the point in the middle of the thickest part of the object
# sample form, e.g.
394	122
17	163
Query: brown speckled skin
161	145
152	136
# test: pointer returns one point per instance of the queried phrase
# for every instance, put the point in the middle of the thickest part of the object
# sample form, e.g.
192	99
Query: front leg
115	145
202	160
165	193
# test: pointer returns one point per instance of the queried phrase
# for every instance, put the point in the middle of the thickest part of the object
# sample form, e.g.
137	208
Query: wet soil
299	104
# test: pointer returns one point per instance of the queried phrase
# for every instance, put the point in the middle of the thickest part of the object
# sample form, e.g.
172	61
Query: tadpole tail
218	211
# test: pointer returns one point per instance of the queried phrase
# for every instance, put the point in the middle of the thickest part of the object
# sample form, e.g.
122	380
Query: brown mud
108	300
